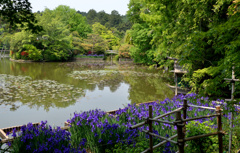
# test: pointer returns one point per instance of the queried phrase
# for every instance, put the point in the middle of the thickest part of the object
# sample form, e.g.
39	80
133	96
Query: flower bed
90	56
98	131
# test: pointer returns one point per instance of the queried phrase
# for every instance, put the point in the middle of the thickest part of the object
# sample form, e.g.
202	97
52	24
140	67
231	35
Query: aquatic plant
37	92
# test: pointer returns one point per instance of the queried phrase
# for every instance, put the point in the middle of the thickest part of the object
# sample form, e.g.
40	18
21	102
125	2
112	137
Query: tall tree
74	20
98	44
92	16
106	34
103	17
19	12
114	19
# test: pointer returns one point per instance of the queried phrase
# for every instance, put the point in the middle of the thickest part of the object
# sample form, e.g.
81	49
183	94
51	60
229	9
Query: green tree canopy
203	35
19	12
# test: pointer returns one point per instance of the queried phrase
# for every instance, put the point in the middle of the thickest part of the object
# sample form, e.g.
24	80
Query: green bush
33	52
202	145
17	56
57	53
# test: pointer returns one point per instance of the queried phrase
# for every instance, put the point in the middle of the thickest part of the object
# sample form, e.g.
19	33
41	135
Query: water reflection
61	84
76	86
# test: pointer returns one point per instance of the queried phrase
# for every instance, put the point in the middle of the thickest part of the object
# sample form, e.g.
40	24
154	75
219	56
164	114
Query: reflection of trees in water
91	87
37	93
145	85
87	64
102	78
113	82
148	88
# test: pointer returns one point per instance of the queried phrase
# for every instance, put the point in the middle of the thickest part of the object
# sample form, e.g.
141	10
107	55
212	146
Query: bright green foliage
97	44
63	31
106	34
18	39
33	53
74	20
203	35
201	145
56	37
141	38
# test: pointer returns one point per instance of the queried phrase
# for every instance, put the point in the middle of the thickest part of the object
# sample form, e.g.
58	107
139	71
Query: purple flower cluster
42	138
95	55
100	130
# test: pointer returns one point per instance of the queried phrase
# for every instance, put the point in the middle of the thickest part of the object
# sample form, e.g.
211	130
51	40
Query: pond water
53	91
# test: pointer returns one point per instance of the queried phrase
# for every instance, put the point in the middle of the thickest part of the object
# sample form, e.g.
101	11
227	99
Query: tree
92	16
98	44
134	11
106	34
74	20
55	41
19	12
142	51
103	17
124	51
114	19
203	35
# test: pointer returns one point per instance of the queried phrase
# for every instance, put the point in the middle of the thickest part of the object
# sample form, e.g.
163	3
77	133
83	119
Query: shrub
202	145
57	53
32	52
18	55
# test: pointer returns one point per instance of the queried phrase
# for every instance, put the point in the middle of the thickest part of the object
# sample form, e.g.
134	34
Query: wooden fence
180	123
4	131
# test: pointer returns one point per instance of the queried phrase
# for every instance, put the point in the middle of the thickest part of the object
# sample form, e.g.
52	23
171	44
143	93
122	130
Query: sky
83	5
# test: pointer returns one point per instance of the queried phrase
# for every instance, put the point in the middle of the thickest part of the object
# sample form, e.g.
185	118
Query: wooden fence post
180	132
150	129
184	114
219	125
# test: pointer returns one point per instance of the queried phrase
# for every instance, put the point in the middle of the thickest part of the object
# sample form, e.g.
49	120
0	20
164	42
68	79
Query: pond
53	91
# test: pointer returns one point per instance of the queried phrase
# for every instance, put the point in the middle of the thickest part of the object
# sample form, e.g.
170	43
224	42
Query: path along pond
53	91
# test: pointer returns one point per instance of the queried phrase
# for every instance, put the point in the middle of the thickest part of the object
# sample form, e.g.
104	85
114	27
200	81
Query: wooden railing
3	52
180	123
4	131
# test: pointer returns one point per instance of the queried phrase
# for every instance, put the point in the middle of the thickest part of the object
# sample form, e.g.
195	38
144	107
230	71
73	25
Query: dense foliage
65	34
203	35
113	20
54	43
18	12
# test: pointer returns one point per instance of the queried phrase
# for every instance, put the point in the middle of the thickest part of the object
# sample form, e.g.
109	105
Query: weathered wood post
184	113
150	129
180	133
232	80
176	77
219	125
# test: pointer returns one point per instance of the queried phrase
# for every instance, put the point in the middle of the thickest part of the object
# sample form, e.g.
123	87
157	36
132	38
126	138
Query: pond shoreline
74	59
21	61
